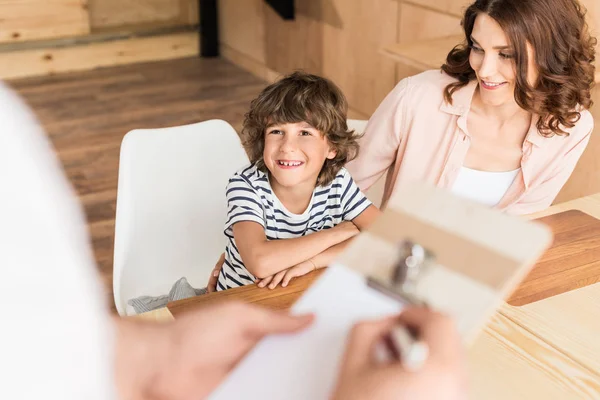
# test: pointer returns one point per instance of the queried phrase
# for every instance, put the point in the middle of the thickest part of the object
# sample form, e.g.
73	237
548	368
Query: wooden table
544	350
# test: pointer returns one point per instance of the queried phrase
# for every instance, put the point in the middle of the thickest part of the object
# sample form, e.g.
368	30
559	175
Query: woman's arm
264	257
540	197
379	145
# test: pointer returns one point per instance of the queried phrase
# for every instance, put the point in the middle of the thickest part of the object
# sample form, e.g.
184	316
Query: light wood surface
26	63
42	19
508	361
569	322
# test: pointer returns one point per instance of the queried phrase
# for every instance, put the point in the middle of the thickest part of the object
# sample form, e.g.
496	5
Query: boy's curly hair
301	97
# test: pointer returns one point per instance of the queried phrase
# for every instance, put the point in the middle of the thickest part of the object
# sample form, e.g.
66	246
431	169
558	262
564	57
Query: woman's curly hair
302	97
564	55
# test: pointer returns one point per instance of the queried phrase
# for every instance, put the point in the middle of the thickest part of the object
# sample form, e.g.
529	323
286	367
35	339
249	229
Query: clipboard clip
412	264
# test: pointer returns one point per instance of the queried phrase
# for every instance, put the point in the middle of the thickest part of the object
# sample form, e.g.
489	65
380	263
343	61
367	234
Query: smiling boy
295	207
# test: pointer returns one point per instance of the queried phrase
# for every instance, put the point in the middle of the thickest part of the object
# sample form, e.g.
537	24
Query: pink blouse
415	135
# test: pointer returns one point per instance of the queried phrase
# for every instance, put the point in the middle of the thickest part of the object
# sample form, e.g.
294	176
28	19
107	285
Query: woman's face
493	61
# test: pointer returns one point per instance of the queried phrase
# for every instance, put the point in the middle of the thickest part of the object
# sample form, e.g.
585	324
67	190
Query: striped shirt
250	198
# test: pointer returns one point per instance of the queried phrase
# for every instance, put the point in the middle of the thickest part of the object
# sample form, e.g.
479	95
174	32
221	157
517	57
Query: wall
42	19
27	20
334	38
39	37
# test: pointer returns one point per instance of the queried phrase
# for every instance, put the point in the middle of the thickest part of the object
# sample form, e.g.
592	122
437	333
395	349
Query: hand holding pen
442	374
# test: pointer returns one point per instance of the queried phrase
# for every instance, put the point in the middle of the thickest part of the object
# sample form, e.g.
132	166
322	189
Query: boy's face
295	153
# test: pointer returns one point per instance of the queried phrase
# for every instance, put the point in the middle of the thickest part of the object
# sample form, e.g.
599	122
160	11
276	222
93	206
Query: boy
295	207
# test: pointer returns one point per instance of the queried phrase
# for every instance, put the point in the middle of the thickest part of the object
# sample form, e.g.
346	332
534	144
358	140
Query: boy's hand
284	277
214	275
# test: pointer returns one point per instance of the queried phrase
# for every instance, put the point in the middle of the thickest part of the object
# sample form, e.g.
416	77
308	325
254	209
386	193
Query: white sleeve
55	340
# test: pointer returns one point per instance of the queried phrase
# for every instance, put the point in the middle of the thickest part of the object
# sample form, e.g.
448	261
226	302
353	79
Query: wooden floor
86	114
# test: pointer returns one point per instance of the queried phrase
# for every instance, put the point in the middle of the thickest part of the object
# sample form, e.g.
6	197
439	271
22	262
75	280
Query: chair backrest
359	125
171	206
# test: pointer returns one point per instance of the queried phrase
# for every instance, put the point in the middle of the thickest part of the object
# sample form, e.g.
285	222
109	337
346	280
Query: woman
505	120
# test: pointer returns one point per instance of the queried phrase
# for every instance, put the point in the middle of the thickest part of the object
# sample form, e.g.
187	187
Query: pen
408	348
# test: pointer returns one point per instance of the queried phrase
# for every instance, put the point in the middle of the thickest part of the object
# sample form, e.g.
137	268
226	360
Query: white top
55	341
251	198
484	187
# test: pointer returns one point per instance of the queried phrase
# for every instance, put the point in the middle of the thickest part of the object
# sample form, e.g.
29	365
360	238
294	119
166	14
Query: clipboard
479	255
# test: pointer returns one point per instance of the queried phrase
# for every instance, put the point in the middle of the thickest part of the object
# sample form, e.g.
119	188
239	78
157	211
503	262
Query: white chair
375	192
358	125
171	206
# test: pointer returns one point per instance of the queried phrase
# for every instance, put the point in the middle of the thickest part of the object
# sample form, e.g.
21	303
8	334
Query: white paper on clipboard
305	365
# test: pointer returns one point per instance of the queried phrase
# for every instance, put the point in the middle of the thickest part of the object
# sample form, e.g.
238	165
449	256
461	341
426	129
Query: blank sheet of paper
305	365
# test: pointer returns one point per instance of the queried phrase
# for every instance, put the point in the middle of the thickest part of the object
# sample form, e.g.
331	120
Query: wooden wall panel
242	27
334	38
585	179
453	7
418	23
593	18
292	45
341	41
114	14
352	51
23	63
42	19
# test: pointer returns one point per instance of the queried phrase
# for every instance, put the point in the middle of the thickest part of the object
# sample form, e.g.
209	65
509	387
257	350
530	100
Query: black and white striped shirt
250	198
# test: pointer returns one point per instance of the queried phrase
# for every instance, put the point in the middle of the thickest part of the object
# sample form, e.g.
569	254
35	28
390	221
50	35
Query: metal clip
403	283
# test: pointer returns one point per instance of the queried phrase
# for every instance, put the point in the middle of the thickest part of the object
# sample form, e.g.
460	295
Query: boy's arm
323	259
362	222
264	257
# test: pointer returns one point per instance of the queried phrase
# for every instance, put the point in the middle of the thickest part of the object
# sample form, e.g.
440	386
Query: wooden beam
424	55
42	19
35	62
112	14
